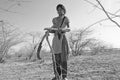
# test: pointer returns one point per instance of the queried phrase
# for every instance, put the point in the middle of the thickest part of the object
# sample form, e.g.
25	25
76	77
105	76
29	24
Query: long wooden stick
56	74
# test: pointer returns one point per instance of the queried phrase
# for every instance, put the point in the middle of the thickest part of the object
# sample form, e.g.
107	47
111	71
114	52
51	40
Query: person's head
61	9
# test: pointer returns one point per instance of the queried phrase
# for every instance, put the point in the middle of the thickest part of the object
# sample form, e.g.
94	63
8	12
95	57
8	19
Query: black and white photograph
59	40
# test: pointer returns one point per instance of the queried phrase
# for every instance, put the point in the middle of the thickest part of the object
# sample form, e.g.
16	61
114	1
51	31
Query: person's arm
54	23
67	29
68	26
52	28
67	22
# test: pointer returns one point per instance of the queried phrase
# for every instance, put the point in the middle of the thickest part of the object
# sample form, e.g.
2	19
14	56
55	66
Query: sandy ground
99	67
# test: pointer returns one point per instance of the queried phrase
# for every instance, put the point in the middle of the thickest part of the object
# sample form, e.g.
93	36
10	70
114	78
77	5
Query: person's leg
64	65
64	69
56	64
64	56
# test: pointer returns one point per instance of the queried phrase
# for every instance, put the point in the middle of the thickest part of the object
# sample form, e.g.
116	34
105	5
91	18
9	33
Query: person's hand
60	30
47	33
46	28
67	30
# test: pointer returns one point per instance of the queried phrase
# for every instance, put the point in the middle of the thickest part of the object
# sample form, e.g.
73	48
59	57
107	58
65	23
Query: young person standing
59	43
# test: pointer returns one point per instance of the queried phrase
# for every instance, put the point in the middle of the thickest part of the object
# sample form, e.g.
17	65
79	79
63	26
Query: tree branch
107	14
101	9
99	22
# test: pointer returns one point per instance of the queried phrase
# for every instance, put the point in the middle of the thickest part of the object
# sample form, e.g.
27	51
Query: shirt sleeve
54	22
67	20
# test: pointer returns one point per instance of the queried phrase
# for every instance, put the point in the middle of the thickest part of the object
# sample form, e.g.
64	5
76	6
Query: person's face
60	11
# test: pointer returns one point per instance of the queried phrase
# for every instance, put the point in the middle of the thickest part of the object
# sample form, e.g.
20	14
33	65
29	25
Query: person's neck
61	16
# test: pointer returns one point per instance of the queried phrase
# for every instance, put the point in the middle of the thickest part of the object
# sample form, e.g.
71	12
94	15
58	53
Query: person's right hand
47	33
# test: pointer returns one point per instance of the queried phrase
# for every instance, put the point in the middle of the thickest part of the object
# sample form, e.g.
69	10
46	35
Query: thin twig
117	11
6	10
98	22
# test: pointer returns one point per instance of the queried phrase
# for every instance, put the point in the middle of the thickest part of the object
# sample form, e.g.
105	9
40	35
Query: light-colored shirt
56	42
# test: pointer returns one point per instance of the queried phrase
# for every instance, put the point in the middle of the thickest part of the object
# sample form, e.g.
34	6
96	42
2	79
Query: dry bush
81	43
98	47
79	40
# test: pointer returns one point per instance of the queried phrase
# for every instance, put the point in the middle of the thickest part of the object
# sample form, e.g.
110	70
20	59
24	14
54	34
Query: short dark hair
61	6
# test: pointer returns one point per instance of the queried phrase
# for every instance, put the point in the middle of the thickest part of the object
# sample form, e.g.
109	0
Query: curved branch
96	23
99	22
107	14
101	9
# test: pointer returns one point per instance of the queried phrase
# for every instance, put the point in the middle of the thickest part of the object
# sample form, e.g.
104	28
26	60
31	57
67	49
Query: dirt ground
98	67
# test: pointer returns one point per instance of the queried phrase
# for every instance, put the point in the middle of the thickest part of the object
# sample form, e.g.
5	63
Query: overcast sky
37	14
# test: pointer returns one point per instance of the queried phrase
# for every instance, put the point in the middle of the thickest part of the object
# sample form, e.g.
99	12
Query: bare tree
79	40
9	36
